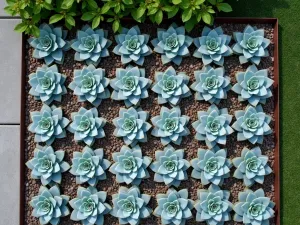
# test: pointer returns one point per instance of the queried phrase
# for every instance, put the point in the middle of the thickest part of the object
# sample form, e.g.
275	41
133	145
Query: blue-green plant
211	84
170	166
132	126
89	206
90	84
213	126
211	166
89	166
170	125
172	44
251	45
132	45
50	45
49	205
130	206
212	46
47	84
252	124
47	165
253	85
253	208
87	126
130	165
171	87
213	205
48	124
251	166
174	207
130	85
90	45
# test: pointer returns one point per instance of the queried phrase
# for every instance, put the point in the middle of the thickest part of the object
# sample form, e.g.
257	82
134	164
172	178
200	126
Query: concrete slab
2	5
9	173
10	71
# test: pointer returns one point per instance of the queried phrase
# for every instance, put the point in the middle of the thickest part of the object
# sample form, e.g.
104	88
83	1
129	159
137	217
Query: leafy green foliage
112	11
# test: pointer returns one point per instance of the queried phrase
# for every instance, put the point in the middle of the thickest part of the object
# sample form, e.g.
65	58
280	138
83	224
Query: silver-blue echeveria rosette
132	45
48	124
50	45
211	84
90	84
91	45
89	206
253	208
252	124
47	165
251	166
49	205
211	166
213	126
89	166
132	125
253	85
47	84
171	86
212	46
87	126
170	166
251	45
130	85
130	205
175	207
172	44
130	165
170	125
213	205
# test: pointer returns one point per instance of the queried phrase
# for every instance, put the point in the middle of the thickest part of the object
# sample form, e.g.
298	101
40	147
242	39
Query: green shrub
112	11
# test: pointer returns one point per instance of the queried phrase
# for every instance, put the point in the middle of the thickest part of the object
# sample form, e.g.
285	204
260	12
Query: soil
109	110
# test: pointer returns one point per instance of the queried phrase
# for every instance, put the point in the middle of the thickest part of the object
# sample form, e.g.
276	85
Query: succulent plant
87	126
47	84
49	205
253	85
213	205
211	84
170	126
90	45
213	126
50	45
172	44
130	206
132	126
212	46
174	208
89	206
130	165
89	166
90	84
252	124
251	166
253	208
48	124
170	166
47	165
251	45
130	85
211	166
171	87
132	45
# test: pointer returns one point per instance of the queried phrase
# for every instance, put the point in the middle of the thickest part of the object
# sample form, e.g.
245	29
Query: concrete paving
2	5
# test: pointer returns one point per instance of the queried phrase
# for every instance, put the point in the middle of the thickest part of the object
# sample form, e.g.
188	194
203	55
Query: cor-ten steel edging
276	168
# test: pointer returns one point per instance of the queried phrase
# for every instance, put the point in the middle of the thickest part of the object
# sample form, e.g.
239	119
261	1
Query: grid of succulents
133	125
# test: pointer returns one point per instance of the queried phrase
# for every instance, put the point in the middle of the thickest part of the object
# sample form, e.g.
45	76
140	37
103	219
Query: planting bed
109	110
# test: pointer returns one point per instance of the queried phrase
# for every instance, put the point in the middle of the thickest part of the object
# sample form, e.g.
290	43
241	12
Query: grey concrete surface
9	174
2	5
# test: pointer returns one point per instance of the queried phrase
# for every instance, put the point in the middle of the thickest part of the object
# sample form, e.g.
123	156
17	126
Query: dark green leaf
116	25
70	20
92	3
55	18
35	31
96	22
159	17
173	13
189	25
21	27
88	16
140	11
37	9
213	2
105	8
152	11
66	4
128	2
186	15
176	2
199	2
225	7
36	18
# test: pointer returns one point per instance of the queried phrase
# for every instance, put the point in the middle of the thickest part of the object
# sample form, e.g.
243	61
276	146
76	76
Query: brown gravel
109	110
